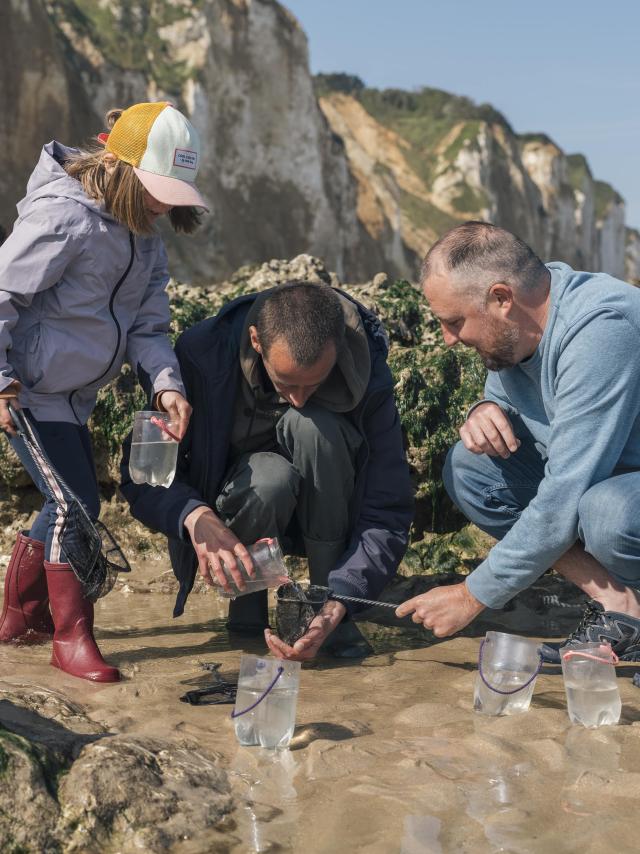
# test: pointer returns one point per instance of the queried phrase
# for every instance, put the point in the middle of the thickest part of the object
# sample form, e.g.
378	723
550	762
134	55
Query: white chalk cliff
366	180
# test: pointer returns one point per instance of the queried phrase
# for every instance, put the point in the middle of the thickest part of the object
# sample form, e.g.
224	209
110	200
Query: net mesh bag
296	606
91	551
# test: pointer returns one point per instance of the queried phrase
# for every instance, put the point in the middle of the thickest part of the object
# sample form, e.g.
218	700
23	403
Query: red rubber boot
74	647
25	610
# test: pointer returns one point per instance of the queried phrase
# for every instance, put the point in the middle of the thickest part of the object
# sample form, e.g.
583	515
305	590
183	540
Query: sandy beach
387	755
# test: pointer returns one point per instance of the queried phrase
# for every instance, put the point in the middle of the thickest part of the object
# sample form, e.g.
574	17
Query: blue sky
568	68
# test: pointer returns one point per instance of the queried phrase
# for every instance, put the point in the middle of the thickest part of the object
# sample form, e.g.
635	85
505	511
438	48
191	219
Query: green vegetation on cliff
579	171
128	35
424	214
606	198
437	126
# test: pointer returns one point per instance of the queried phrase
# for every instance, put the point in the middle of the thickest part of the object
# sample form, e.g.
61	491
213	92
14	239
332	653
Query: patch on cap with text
186	158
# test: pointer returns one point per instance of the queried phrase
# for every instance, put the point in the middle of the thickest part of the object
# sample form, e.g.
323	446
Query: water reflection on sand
387	756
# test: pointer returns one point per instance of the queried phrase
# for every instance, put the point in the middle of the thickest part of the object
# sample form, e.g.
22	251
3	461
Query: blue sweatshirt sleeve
597	402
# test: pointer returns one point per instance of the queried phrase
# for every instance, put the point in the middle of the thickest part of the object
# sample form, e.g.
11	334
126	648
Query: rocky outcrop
435	385
68	785
427	160
276	176
39	93
368	182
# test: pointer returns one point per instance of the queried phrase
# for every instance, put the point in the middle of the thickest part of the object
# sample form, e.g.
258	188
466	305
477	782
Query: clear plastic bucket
265	709
507	669
154	449
593	697
269	565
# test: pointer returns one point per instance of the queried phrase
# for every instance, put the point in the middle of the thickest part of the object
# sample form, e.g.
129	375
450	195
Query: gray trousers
309	480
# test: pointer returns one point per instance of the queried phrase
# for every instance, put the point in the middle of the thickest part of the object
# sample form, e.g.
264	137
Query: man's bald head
475	255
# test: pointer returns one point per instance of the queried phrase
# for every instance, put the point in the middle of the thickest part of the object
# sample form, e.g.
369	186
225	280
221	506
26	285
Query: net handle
268	690
50	476
512	690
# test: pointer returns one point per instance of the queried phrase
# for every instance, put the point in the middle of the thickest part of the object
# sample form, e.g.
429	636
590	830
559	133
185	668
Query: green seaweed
434	386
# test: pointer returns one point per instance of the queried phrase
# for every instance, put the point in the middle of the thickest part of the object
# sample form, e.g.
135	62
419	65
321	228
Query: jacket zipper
114	292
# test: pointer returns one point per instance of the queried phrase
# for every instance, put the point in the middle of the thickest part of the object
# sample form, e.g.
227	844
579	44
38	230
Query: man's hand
9	396
444	610
308	645
214	545
178	408
487	430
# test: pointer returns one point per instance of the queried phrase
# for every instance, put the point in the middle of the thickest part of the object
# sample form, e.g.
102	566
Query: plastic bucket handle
267	690
512	690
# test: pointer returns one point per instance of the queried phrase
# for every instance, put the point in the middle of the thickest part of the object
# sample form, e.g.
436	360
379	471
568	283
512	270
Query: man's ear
501	296
255	341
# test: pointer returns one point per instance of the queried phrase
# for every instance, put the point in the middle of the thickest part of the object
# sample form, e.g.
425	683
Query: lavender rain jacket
79	294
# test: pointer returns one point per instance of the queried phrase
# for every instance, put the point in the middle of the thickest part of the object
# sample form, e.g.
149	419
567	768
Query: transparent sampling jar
270	569
591	686
507	669
265	710
154	449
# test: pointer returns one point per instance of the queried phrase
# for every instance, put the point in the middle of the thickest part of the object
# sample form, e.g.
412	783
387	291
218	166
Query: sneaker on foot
597	625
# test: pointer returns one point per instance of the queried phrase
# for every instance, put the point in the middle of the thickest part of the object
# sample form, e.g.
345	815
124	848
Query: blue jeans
68	447
492	493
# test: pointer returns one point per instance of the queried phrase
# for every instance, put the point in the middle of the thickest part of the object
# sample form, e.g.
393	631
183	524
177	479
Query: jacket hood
50	180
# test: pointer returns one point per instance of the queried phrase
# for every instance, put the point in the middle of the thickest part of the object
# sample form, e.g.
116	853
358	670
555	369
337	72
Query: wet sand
387	755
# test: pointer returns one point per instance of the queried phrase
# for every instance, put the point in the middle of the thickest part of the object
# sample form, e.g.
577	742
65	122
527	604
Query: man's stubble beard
502	353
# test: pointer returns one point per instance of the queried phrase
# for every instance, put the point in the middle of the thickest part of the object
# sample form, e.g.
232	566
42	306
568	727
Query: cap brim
170	191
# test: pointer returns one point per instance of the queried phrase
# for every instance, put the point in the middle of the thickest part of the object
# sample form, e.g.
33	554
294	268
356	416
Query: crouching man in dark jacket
294	434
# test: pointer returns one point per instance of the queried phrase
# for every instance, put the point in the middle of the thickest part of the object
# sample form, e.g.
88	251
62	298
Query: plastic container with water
154	449
265	709
507	669
593	697
269	566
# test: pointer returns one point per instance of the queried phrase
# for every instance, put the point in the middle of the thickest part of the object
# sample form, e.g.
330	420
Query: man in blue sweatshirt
549	460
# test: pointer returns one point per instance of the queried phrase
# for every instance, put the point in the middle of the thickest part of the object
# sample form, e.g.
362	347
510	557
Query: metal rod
340	597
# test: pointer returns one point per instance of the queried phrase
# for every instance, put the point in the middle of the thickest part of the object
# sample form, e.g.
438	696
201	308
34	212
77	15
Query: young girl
82	288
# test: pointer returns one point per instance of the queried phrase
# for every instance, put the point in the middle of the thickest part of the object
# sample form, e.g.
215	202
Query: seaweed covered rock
435	385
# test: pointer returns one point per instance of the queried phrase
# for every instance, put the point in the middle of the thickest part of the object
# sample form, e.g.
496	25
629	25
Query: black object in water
222	692
296	606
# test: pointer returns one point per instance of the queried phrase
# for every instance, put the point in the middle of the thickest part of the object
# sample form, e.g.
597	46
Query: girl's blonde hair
120	191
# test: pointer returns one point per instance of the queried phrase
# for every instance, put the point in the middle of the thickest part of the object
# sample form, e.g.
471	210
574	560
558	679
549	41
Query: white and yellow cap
164	149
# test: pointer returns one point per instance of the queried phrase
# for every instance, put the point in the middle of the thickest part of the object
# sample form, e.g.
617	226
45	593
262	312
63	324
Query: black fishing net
91	551
296	606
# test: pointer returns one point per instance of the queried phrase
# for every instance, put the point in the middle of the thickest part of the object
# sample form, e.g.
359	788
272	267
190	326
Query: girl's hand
175	405
9	396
